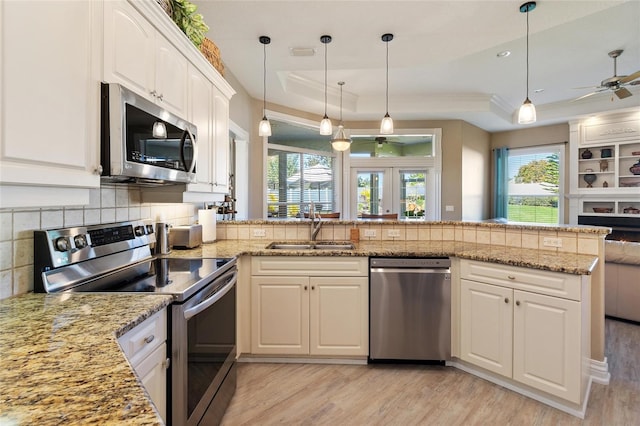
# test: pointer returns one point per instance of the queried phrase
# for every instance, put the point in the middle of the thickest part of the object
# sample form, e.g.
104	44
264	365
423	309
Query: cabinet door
221	143
129	40
50	95
486	326
280	315
152	372
171	77
547	344
200	114
339	316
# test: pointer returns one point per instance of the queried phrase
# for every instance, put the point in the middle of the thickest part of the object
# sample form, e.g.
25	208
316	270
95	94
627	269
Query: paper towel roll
207	218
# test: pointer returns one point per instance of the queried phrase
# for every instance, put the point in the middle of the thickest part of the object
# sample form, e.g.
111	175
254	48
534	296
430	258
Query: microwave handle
188	168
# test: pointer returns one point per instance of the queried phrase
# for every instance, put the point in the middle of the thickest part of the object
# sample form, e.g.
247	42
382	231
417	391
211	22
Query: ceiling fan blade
630	77
622	93
587	87
585	96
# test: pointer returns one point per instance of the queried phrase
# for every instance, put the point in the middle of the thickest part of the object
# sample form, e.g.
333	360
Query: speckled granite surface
60	362
571	263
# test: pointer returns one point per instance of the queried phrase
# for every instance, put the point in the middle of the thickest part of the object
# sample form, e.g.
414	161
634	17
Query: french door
405	191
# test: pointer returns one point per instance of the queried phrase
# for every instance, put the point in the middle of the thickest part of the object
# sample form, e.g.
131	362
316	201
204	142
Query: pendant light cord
264	80
387	91
341	100
325	79
527	97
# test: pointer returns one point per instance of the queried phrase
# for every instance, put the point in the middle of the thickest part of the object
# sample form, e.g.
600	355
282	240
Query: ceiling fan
615	83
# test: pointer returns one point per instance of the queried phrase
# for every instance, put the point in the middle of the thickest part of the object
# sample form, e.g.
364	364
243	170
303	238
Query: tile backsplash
110	203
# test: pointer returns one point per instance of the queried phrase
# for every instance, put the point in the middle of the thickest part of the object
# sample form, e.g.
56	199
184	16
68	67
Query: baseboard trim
600	371
293	360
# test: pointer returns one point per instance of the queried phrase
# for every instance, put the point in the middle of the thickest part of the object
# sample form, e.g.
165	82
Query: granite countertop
579	264
60	362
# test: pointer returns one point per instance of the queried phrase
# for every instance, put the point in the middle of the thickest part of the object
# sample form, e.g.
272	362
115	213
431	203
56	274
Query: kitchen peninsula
511	245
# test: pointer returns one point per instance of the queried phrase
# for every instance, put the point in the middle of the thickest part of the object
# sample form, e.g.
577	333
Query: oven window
211	337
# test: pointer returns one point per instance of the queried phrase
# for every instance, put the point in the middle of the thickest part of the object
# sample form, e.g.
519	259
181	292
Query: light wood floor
313	394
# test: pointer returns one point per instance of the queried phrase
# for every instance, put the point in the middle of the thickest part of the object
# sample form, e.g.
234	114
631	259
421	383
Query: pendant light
340	141
325	125
159	130
386	126
527	112
264	129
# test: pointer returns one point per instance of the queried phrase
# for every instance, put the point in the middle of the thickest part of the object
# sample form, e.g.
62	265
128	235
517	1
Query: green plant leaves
191	23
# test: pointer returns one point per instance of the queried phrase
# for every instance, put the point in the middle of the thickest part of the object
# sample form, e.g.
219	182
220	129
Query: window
294	179
534	179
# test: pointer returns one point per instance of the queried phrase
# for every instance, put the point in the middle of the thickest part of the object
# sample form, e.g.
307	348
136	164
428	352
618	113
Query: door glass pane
391	146
413	193
370	194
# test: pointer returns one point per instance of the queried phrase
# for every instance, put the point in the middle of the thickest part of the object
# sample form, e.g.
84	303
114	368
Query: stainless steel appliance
410	309
202	327
142	142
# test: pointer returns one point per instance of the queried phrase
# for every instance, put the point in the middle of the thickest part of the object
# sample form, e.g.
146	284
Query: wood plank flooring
317	394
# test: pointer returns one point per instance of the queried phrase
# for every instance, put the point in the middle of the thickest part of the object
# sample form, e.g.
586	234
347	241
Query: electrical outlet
369	232
449	208
552	242
259	232
393	233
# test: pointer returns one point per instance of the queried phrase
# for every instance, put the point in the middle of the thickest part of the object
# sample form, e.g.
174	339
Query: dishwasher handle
411	270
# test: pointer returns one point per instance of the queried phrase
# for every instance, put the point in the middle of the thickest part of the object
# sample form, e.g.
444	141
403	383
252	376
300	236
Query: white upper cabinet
138	56
49	86
201	114
221	143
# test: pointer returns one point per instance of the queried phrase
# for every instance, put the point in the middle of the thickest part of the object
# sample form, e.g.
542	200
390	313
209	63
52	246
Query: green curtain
500	182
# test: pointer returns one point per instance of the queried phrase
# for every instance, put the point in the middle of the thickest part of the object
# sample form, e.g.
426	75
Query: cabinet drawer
310	266
555	284
145	337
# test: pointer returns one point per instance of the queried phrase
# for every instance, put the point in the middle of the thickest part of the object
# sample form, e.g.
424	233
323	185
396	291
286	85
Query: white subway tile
51	219
6	284
23	252
23	279
6	226
6	255
107	215
122	214
483	236
107	197
91	216
24	223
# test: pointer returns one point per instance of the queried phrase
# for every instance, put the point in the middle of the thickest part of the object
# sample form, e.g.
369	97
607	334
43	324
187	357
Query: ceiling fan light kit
527	112
264	128
340	141
325	125
386	126
615	83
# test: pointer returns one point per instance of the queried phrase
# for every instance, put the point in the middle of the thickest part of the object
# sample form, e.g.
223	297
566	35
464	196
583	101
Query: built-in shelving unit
602	152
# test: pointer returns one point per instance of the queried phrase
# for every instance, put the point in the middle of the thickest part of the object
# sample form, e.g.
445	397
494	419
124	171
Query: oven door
203	341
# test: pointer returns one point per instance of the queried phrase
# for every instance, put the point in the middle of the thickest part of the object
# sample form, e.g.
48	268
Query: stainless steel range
117	257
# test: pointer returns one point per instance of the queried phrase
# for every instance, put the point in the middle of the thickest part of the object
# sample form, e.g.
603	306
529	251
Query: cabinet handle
511	277
506	300
517	303
97	170
167	363
160	96
153	93
149	339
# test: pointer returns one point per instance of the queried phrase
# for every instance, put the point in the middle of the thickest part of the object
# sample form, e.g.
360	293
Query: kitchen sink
313	245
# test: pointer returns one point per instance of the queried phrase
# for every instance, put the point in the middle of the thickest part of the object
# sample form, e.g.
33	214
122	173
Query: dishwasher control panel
410	262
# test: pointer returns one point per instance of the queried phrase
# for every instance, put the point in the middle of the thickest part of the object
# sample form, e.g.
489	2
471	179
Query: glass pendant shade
527	113
264	129
325	126
159	130
386	126
340	141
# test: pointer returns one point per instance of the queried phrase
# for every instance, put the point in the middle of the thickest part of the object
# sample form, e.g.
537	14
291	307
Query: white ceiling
442	60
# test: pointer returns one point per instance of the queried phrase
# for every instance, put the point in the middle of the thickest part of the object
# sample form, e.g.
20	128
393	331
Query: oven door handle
206	303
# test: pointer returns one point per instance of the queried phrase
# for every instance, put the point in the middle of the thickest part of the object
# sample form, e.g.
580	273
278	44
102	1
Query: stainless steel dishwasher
410	309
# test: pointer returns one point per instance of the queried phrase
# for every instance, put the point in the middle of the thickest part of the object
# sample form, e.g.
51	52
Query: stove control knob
80	240
149	229
62	244
139	231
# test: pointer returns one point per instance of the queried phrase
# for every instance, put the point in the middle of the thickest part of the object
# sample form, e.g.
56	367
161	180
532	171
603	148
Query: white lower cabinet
533	337
146	349
296	314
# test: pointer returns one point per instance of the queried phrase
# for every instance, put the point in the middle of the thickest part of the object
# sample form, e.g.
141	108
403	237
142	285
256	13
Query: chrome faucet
315	226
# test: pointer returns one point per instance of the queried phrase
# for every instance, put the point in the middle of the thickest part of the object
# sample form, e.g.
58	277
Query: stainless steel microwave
143	143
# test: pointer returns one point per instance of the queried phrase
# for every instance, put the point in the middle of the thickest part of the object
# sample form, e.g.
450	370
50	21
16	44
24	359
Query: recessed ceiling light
538	91
302	51
503	54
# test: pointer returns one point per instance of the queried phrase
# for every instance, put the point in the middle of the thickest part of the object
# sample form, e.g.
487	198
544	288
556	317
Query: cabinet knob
153	93
313	287
97	170
149	339
167	363
305	287
517	303
160	96
511	277
506	300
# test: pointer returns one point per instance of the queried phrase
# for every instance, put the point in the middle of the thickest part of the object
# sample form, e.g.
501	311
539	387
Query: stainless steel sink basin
314	245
